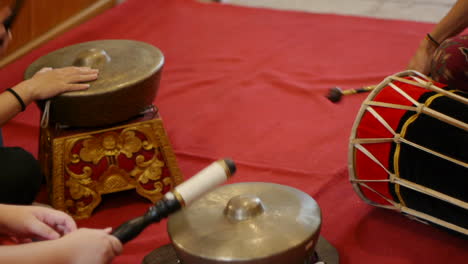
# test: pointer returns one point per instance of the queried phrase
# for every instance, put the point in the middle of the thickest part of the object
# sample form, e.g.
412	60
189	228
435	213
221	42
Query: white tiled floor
416	10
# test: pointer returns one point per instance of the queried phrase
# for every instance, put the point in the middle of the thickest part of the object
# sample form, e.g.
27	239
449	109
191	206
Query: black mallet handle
208	178
130	229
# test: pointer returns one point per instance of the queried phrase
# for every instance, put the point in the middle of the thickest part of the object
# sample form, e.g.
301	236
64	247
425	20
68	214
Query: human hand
89	246
50	82
34	222
421	61
5	35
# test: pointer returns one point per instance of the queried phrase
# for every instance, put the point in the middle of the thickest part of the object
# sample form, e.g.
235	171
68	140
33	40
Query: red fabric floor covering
249	84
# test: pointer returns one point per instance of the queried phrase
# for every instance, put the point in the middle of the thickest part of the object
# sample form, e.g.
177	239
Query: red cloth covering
250	84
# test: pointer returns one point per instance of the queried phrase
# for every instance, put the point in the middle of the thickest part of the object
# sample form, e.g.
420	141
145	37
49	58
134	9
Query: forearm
36	252
453	23
45	84
10	105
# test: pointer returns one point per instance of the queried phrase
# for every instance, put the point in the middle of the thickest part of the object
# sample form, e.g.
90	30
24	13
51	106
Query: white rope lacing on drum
398	139
381	120
440	155
357	143
431	192
405	95
394	205
372	157
372	140
45	115
420	108
435	220
390	105
425	110
393	179
399	207
431	87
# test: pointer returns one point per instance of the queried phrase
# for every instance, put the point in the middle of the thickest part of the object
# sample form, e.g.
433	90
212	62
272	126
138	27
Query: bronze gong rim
129	74
120	63
246	222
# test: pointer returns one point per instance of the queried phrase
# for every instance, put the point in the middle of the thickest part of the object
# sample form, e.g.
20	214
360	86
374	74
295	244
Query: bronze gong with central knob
129	75
247	223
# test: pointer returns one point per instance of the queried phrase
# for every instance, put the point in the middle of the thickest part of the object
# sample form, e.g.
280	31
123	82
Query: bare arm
84	246
44	84
451	24
37	252
60	241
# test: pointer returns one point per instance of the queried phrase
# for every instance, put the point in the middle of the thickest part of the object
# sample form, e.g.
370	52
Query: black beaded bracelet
20	100
429	37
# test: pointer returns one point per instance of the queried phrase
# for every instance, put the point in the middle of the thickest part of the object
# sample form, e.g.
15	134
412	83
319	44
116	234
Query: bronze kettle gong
246	223
129	75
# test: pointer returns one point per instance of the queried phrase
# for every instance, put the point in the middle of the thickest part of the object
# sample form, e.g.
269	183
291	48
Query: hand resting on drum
45	84
58	239
452	24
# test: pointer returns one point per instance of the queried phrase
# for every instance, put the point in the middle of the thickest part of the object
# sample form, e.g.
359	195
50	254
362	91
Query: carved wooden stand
80	165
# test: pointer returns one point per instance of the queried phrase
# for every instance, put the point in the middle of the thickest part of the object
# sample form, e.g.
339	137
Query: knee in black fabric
21	176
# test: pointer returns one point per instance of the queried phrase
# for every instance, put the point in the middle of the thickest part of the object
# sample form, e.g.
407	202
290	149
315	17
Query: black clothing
20	176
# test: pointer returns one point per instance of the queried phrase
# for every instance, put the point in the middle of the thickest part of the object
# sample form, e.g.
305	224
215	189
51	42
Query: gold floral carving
153	172
109	144
114	183
113	180
78	189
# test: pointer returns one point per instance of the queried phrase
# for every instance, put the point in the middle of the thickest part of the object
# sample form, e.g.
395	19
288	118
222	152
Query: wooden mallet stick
335	93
